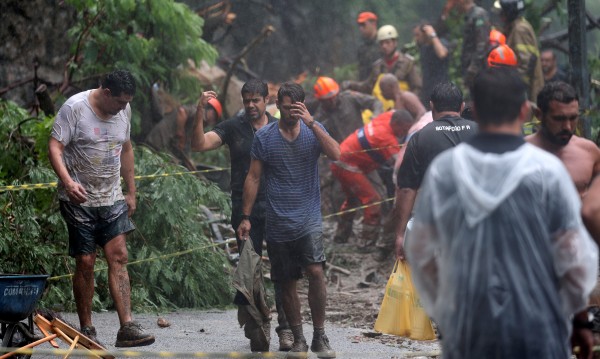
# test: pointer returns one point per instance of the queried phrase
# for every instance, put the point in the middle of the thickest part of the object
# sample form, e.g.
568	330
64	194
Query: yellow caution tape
25	187
358	208
164	256
231	240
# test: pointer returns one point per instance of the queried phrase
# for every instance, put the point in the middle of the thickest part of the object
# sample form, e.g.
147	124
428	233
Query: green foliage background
153	39
173	261
34	236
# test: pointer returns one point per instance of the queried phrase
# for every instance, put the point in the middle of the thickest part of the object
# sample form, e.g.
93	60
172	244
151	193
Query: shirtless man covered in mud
558	111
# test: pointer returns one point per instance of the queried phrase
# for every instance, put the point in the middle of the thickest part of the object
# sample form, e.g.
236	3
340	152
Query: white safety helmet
386	32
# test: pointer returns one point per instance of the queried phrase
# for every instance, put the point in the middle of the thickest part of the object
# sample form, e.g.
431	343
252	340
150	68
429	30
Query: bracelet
311	124
245	217
433	36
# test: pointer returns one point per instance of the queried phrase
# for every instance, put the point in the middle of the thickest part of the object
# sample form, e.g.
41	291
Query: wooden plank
83	340
30	345
45	327
72	347
70	341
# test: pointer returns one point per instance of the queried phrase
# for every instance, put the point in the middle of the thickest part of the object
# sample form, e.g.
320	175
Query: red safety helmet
217	106
497	38
326	88
502	56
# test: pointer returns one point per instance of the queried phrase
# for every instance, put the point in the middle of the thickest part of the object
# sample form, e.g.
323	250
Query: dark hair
467	113
118	82
555	91
446	96
402	117
292	90
256	86
422	23
498	94
548	49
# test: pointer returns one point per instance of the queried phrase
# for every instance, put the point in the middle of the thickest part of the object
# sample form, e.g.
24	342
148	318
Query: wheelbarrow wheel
14	337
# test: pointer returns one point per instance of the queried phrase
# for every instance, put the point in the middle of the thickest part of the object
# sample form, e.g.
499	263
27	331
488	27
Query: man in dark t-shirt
434	59
238	133
447	130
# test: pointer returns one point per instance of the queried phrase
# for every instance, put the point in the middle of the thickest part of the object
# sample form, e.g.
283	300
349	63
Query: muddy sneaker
90	332
320	346
299	350
132	334
286	340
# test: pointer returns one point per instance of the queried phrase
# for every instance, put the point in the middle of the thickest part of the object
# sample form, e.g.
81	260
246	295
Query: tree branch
266	31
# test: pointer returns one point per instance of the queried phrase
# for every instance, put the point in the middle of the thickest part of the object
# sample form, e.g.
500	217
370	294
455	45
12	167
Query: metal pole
578	58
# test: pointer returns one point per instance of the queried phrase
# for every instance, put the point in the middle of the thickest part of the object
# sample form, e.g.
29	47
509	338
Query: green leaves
173	262
150	38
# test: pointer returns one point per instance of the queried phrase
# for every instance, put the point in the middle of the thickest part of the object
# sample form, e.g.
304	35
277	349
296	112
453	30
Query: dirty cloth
499	254
248	280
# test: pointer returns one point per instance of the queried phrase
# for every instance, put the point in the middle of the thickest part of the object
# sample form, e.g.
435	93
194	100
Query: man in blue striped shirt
288	152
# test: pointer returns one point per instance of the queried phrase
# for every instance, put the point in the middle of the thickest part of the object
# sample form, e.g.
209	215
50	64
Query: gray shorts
91	226
289	258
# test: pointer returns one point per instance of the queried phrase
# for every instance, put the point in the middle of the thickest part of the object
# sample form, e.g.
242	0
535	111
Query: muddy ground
354	299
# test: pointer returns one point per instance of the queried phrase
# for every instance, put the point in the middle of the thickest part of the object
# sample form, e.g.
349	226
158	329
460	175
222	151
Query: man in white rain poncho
499	253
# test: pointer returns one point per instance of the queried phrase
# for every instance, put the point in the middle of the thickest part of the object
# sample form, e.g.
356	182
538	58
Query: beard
254	115
561	138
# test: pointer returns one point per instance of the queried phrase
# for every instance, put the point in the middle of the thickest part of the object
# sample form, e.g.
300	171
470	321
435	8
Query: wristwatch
433	36
246	217
311	124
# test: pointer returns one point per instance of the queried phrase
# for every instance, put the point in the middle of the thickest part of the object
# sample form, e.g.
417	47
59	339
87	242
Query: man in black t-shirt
434	59
447	130
238	133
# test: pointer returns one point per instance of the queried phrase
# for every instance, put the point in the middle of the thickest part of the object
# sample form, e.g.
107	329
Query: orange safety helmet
497	38
365	16
502	56
326	88
217	106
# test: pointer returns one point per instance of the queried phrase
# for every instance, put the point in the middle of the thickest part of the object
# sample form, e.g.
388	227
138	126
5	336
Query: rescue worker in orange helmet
341	112
497	38
368	51
502	56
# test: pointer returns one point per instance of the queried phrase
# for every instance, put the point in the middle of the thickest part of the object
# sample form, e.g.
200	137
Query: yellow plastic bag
401	311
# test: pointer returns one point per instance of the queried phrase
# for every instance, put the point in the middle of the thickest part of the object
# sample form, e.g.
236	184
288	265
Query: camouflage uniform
368	53
347	117
476	32
521	38
403	68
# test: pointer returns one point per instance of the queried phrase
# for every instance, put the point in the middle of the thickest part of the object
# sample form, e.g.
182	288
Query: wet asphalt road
216	334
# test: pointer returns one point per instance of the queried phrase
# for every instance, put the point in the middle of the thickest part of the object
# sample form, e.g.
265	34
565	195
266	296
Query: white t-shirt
92	151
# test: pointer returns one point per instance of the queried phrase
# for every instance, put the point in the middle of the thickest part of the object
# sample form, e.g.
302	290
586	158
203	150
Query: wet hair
256	86
555	91
119	82
402	117
498	94
446	96
292	90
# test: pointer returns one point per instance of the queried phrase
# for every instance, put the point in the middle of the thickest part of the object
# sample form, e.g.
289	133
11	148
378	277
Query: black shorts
289	258
91	226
